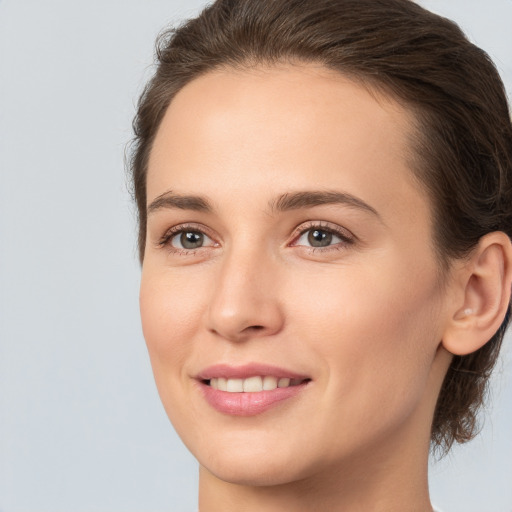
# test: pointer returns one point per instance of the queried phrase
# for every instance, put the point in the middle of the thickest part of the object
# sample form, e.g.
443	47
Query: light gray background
81	425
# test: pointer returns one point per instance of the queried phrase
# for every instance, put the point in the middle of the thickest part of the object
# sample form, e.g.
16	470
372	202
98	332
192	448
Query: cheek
170	314
375	330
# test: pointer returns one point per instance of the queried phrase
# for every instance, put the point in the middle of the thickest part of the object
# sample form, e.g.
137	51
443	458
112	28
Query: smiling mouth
251	389
253	384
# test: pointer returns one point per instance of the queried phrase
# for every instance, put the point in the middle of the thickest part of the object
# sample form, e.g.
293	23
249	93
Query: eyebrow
309	199
285	202
171	200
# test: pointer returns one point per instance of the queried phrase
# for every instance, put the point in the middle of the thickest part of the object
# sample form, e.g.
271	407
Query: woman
325	202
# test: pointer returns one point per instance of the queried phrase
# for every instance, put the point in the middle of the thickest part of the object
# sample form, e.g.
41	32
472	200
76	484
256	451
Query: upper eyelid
188	226
304	227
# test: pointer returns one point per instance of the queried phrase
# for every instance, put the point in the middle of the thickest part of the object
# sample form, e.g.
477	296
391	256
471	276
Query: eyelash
166	240
344	235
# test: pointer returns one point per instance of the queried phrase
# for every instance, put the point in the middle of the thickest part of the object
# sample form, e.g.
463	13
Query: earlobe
485	284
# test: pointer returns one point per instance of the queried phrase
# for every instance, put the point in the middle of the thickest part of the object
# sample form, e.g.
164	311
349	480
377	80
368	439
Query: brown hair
462	146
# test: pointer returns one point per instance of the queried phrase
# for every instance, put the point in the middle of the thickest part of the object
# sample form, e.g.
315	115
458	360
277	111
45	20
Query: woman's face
287	239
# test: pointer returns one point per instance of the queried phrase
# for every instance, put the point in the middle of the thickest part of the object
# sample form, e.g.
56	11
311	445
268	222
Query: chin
253	473
258	465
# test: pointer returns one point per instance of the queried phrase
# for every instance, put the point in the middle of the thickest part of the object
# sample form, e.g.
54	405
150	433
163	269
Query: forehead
280	128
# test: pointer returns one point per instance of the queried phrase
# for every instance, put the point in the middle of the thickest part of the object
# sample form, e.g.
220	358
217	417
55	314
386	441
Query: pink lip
247	370
247	404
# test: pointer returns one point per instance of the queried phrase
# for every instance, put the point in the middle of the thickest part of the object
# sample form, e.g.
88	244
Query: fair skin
339	286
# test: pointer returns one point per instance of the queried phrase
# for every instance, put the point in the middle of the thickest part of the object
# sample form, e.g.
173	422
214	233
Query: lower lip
248	404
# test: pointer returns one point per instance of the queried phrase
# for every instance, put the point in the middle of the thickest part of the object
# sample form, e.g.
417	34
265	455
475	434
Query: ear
482	289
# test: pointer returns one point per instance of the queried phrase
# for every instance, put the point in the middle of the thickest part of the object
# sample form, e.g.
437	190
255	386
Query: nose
244	301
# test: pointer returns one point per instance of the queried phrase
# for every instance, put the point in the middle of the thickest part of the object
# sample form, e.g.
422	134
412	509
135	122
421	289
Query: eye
319	237
189	240
185	239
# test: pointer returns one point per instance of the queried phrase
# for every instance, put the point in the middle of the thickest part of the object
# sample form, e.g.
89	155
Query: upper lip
247	370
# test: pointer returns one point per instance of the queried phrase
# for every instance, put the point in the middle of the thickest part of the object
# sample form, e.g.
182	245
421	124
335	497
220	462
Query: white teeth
221	384
252	384
283	383
269	383
235	385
